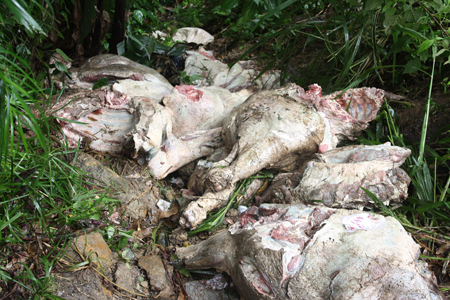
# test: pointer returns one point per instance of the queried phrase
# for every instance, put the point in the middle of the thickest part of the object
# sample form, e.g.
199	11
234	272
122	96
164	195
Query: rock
178	236
129	192
157	275
241	75
94	245
305	252
81	285
126	277
193	35
200	290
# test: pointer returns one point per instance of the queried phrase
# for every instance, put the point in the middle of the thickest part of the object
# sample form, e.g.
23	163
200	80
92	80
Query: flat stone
124	276
81	285
102	173
197	290
156	274
94	243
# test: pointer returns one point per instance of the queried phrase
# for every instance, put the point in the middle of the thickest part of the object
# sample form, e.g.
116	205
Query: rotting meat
283	252
281	130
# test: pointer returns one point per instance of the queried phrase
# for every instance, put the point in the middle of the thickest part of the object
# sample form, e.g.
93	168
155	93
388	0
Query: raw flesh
102	118
198	109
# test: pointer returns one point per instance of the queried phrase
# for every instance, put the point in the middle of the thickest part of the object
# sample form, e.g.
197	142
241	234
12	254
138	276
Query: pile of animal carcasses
274	252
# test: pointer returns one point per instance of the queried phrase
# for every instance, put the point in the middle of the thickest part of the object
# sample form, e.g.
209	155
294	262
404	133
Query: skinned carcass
166	137
305	252
336	177
102	118
281	130
194	131
131	78
242	75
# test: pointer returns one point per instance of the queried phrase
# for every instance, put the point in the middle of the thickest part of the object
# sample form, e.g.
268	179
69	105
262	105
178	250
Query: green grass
41	194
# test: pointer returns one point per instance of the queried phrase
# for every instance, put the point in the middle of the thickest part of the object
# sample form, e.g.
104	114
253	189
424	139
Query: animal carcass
281	130
305	252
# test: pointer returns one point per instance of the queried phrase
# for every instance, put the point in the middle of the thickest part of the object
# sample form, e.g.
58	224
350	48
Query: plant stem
427	113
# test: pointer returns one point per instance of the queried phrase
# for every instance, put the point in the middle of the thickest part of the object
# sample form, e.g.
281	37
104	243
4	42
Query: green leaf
412	66
249	11
413	15
228	5
428	207
24	17
138	15
100	83
87	17
61	67
392	21
377	201
373	4
444	140
123	241
185	272
425	45
411	32
63	54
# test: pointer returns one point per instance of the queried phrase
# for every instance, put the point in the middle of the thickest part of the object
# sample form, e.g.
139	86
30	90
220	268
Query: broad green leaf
392	21
438	5
425	45
412	66
413	15
87	17
373	4
138	15
185	272
389	12
249	11
123	241
61	67
24	17
100	83
228	5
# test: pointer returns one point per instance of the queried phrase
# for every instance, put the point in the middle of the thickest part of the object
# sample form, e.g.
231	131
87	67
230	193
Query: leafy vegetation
375	42
43	196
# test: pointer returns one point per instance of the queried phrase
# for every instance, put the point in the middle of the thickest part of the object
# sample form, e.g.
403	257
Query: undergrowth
383	42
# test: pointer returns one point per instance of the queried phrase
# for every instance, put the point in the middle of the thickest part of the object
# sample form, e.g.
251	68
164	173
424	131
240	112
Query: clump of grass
42	195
